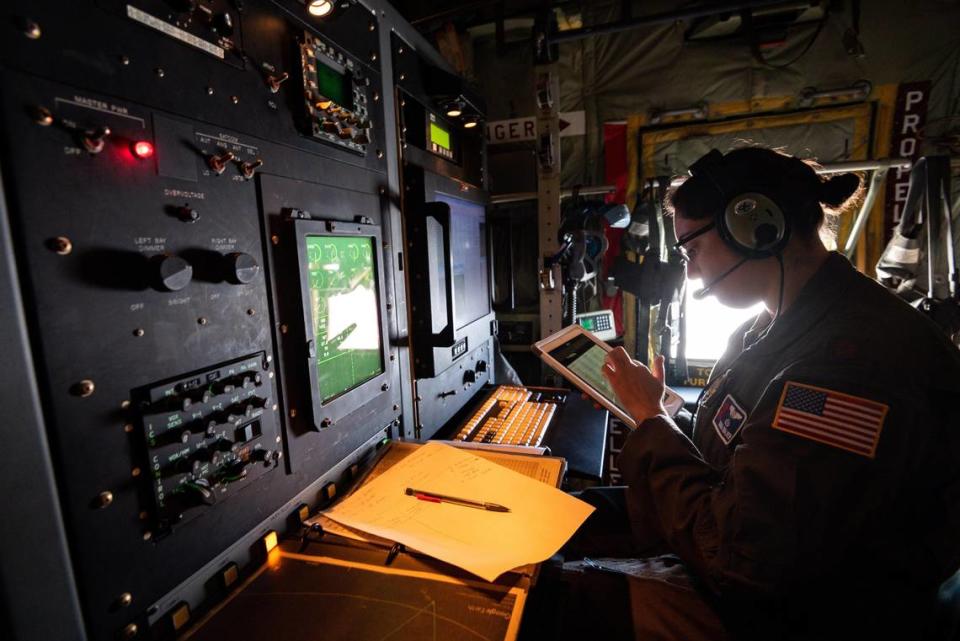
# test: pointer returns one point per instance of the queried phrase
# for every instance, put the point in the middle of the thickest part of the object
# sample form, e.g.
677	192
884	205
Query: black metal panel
440	397
144	274
99	46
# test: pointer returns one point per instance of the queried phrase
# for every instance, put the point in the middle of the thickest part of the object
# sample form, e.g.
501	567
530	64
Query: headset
751	223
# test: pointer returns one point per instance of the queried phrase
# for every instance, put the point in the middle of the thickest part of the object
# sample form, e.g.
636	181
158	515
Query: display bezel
325	414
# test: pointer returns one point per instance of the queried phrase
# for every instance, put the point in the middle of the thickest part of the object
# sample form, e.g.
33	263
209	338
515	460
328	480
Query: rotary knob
469	377
243	268
172	273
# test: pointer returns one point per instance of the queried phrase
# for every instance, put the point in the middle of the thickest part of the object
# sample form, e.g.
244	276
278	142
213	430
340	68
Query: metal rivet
201	321
105	498
384	387
372	26
274	408
128	427
125	599
61	245
147	535
209	91
283	329
124	404
269	374
379	153
373	56
393	357
131	630
396	407
278	439
376	96
293	412
125	60
160	72
42	116
251	312
275	239
235	99
84	388
144	515
389	306
135	472
403	76
138	332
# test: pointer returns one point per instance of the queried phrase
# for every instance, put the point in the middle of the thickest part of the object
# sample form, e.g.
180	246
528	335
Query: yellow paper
540	521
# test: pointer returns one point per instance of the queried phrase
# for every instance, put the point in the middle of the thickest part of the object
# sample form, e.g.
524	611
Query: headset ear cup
754	226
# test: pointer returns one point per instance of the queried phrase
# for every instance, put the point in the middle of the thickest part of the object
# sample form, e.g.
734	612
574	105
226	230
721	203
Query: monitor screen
344	311
468	244
333	83
439	136
585	358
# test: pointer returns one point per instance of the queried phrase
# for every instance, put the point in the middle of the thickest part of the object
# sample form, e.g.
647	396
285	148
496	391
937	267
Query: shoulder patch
728	420
847	422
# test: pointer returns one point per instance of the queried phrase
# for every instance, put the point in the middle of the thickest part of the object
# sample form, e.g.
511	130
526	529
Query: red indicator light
142	149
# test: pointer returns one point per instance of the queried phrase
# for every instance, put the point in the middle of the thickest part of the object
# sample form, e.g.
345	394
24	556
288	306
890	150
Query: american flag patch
848	422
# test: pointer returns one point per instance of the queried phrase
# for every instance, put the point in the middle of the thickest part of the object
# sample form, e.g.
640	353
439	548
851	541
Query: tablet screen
585	358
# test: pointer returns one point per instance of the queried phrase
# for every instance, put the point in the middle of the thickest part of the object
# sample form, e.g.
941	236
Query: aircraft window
709	324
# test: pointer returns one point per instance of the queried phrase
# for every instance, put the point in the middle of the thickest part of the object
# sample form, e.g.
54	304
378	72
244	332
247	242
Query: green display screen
333	84
439	136
345	312
587	323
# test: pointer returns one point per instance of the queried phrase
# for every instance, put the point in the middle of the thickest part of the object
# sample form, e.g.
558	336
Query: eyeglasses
686	238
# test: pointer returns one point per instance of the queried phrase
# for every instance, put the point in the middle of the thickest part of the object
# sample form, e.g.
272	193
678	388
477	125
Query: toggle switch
93	140
274	82
249	168
218	162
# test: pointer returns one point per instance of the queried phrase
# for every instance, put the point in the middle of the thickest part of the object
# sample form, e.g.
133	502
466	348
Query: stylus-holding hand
639	388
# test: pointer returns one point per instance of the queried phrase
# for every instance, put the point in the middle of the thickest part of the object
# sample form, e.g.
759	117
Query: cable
782	278
755	47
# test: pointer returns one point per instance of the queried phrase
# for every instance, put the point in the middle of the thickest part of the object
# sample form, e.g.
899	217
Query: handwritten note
540	521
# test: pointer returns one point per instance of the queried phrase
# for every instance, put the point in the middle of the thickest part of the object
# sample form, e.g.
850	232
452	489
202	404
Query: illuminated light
469	122
142	149
319	8
454	111
270	540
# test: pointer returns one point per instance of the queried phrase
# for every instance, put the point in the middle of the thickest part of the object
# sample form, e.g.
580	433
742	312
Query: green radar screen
345	312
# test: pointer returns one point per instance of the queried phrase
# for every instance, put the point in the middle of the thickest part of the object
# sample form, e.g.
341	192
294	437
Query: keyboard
512	416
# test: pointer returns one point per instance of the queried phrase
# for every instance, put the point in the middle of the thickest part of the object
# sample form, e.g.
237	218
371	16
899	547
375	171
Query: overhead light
319	8
454	109
471	121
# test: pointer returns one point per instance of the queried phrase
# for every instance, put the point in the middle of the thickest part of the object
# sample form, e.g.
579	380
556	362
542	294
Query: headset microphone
701	293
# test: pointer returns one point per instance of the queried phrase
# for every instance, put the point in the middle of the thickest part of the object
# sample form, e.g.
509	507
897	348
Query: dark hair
791	182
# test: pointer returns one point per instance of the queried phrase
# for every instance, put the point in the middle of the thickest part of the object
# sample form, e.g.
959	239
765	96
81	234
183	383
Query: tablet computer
578	356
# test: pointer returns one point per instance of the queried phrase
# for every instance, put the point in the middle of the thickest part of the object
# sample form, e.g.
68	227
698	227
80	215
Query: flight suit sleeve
786	507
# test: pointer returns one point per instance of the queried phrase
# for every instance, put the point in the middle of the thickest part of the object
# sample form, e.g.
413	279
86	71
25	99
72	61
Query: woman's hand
639	389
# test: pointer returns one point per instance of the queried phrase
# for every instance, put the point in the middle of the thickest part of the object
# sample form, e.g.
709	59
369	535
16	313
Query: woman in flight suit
819	497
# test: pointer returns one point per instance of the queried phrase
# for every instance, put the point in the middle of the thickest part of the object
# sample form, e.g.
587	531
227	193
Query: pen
443	498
